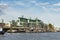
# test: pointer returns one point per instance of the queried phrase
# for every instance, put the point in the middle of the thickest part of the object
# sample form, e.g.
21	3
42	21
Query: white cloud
32	1
29	3
57	4
3	5
46	15
20	3
57	9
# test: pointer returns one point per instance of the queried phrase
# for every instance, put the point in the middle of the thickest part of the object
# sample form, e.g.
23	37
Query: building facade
22	22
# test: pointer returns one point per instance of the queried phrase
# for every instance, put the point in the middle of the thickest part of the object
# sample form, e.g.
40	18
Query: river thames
31	36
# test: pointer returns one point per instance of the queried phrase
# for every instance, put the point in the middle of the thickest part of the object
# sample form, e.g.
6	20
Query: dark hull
2	32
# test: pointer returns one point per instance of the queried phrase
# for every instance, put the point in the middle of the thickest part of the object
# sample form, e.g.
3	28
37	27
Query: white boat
1	26
1	30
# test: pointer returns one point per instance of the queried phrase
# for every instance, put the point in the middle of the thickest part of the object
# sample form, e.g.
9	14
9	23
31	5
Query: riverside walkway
22	29
16	28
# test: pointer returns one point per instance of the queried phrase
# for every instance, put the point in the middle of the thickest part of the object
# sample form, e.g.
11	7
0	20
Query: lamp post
10	26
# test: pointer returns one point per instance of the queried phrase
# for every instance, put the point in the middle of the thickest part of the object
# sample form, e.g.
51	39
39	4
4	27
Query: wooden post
10	27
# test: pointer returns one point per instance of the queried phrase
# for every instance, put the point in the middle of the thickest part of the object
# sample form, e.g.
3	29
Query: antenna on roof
22	16
2	21
30	18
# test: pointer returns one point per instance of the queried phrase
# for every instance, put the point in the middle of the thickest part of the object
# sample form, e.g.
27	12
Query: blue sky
46	10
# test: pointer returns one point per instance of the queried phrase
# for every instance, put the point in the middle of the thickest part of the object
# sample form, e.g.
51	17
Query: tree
51	27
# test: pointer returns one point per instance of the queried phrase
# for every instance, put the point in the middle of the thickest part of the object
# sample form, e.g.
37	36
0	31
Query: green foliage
51	27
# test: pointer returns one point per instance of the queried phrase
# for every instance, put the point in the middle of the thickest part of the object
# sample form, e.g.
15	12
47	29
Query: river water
31	36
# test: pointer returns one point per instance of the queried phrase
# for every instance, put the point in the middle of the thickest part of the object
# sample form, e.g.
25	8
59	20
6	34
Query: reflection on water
30	36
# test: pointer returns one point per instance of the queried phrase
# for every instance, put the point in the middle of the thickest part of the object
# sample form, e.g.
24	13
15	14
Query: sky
46	10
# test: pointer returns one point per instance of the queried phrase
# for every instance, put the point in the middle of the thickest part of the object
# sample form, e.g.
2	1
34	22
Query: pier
21	29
